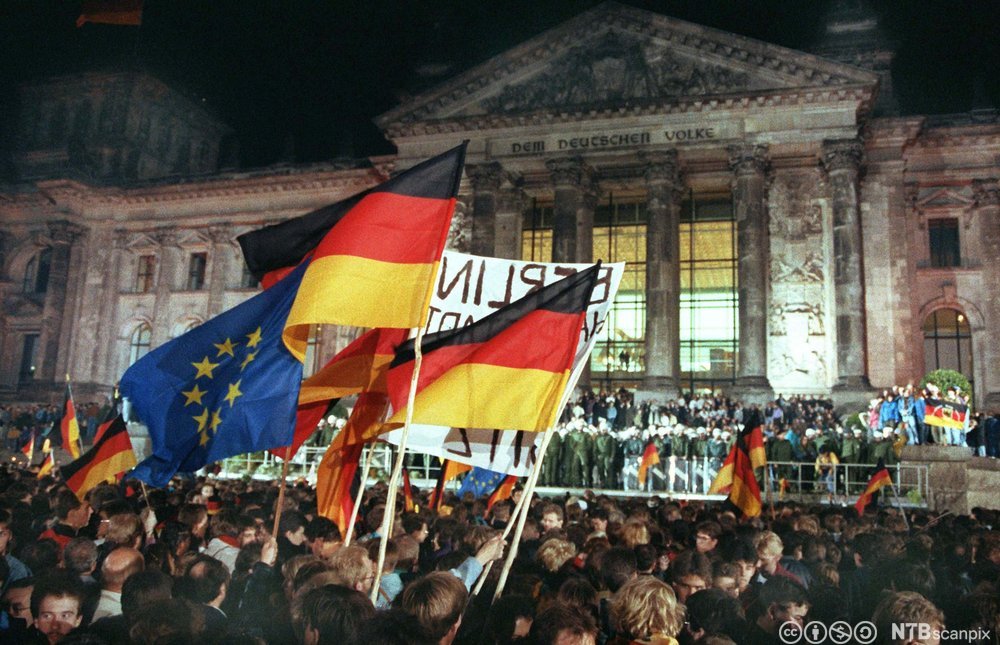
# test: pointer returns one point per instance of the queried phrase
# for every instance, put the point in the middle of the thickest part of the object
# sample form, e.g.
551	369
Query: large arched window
139	344
948	342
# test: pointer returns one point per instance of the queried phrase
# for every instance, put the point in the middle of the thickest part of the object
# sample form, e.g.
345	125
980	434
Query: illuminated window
709	307
943	238
536	234
948	342
145	273
139	343
196	271
29	354
620	236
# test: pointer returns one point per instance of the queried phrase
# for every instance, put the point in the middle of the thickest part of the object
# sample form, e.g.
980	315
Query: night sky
303	79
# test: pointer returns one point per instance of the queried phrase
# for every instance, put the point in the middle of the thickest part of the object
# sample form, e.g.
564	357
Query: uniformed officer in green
550	474
605	447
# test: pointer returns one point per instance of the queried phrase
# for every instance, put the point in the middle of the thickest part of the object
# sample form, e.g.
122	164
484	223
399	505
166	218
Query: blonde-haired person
645	610
554	553
634	533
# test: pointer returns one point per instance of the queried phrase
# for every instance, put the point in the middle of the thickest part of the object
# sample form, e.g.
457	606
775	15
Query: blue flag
480	482
224	388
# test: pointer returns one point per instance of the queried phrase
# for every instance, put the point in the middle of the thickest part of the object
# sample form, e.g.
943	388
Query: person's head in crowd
826	573
41	555
618	566
531	530
905	607
769	552
912	576
725	577
145	588
408	552
437	600
351	567
742	554
195	517
205	581
248	530
6	533
80	557
782	601
323	537
510	619
415	525
391	554
330	614
118	566
177	536
70	510
577	591
552	517
633	533
690	572
173	620
646	557
706	536
394	627
225	524
647	609
560	624
56	603
17	599
713	612
598	519
292	527
124	529
553	554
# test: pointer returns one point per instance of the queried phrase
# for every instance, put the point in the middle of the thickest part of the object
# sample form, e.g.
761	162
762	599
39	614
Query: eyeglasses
63	616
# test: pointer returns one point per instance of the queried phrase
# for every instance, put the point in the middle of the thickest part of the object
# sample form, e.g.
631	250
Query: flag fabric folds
29	448
650	457
879	479
69	427
450	469
408	504
504	490
945	414
227	387
110	455
337	483
111	12
507	370
480	482
375	261
737	473
47	465
360	366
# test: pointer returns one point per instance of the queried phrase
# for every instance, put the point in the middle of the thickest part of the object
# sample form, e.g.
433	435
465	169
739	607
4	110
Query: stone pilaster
987	194
167	278
486	179
510	220
107	331
221	236
749	163
842	160
573	210
663	285
62	235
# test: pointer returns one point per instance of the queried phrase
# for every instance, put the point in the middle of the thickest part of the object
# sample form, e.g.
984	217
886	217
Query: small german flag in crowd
879	480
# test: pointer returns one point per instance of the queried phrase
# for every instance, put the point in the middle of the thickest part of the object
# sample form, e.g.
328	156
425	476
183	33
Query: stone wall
958	482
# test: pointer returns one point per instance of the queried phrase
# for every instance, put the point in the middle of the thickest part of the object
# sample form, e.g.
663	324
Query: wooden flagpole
361	493
506	533
899	505
385	532
281	491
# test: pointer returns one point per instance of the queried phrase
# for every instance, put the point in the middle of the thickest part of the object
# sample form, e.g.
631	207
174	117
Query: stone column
166	283
987	349
486	180
105	369
842	159
663	277
573	212
62	234
749	164
222	239
510	220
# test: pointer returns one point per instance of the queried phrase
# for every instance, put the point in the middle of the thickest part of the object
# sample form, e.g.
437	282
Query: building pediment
618	57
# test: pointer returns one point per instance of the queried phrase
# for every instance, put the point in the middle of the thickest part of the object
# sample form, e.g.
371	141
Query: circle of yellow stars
209	420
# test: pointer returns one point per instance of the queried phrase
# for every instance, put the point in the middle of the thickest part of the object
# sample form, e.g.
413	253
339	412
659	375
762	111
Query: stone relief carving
460	233
790	364
794	214
781	311
618	69
788	269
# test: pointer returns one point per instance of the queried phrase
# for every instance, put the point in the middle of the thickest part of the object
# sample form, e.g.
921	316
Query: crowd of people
197	563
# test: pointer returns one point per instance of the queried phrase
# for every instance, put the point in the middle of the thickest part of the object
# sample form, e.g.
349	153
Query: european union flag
480	482
224	388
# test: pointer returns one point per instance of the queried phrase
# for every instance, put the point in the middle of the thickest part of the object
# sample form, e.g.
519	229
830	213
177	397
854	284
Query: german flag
408	505
106	459
879	479
507	370
29	448
650	457
749	441
376	257
504	490
307	418
69	428
111	12
359	367
47	465
945	414
449	470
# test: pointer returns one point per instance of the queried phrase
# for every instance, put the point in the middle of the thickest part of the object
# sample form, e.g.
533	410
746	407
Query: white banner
470	287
